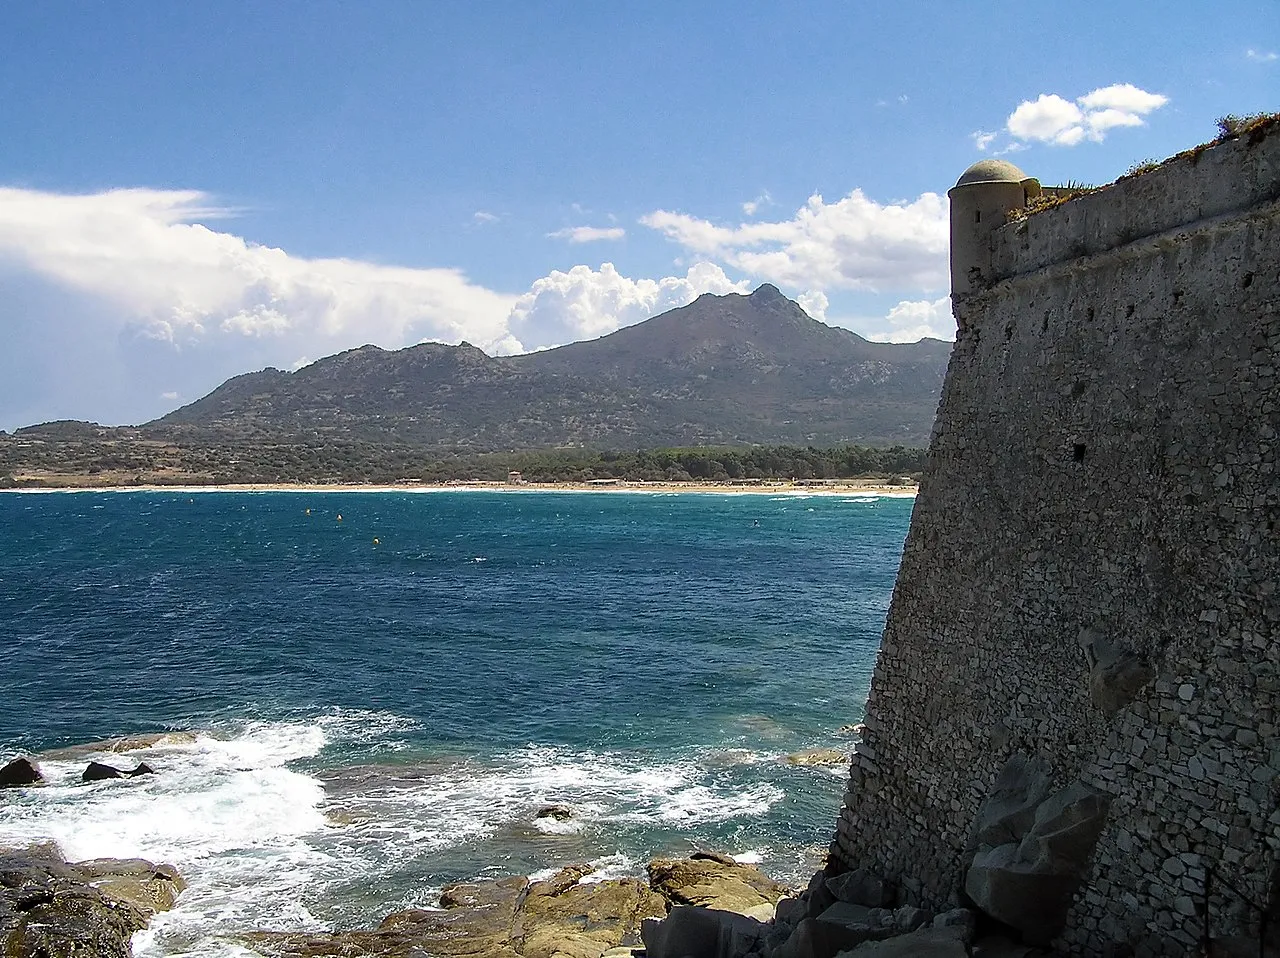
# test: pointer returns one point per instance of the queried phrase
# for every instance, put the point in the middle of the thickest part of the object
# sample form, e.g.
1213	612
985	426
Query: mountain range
723	370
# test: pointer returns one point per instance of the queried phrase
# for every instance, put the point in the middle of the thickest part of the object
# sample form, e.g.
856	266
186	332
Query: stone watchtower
980	202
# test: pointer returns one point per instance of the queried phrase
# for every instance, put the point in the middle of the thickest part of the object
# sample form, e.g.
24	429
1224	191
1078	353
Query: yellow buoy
308	512
339	516
376	542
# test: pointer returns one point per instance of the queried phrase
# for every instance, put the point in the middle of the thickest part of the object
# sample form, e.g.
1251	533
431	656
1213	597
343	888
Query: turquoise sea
384	701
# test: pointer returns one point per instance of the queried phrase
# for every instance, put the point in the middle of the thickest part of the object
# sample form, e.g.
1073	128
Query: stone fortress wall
1075	715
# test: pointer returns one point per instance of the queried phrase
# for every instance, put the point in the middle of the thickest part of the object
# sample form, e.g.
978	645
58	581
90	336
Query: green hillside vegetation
124	457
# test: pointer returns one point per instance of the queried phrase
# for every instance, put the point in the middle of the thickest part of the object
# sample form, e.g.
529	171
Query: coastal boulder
1028	884
98	772
147	887
703	932
560	813
21	771
51	908
567	917
709	881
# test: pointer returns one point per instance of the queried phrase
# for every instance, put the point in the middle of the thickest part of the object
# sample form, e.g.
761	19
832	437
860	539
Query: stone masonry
1090	579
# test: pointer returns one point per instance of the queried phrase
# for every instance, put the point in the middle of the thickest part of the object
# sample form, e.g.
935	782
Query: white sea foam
261	842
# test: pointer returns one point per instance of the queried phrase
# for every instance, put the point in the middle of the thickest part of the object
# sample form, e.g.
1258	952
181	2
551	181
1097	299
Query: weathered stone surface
962	919
927	943
1029	885
128	743
860	887
147	887
19	772
142	769
1105	458
693	932
825	937
714	884
51	909
1010	807
1116	672
506	918
583	921
818	756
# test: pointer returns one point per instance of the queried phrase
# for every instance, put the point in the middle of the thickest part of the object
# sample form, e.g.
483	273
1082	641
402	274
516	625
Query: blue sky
189	191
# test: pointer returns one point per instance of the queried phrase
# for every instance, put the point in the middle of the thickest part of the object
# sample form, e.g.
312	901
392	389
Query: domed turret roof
991	171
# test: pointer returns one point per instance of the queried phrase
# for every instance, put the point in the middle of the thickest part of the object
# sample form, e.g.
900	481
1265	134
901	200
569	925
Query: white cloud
180	281
588	234
484	216
585	303
913	320
982	140
1049	118
170	396
750	207
1052	119
853	243
1263	56
815	303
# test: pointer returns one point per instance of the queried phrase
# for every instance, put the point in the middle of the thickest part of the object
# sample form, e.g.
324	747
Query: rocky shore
50	908
705	906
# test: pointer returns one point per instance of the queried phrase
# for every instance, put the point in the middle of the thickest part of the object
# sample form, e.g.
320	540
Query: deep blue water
398	691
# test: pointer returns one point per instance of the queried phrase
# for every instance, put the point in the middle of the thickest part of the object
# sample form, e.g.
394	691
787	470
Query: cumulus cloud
1262	56
913	320
115	296
854	243
584	303
1050	118
588	234
177	280
815	303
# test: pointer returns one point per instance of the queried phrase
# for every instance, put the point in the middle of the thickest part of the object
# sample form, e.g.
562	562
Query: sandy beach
838	487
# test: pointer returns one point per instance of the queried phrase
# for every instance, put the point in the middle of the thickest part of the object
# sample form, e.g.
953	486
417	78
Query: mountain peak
768	293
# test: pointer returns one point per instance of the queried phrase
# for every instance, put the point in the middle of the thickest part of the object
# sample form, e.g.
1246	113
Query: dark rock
822	938
926	943
860	887
1009	809
1028	885
97	772
20	772
958	918
692	931
908	918
51	909
709	856
561	813
1116	672
142	769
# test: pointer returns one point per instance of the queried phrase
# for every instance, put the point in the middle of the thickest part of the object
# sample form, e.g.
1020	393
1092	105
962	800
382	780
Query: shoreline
837	488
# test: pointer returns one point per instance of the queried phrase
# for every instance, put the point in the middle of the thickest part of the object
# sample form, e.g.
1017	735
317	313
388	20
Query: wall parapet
1225	178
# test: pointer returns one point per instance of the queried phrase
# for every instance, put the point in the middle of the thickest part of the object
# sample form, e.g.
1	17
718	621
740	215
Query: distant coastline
801	488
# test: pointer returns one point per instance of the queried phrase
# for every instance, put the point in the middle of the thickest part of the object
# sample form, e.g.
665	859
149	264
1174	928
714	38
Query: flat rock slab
714	883
927	943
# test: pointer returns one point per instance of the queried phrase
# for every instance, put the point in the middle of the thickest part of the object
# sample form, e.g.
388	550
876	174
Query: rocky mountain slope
723	370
